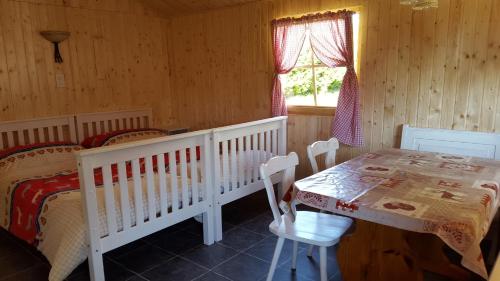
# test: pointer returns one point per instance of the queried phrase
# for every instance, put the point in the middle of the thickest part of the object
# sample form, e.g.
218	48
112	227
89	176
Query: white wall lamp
420	4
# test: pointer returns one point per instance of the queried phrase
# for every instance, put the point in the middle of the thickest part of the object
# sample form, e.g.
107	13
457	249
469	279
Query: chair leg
276	257
310	251
322	263
294	257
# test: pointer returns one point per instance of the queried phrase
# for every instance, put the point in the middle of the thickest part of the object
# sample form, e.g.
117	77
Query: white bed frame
89	124
24	132
477	144
72	128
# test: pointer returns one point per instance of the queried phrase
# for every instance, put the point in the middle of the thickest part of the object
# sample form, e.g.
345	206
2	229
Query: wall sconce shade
420	4
56	37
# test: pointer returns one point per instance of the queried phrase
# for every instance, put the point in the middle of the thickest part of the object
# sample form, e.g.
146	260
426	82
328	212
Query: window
312	83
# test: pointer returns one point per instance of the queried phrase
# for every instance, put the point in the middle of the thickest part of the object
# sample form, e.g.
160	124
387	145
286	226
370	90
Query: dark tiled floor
177	253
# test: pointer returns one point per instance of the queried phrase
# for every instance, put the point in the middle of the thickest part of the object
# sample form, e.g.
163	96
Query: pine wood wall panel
433	68
221	66
116	58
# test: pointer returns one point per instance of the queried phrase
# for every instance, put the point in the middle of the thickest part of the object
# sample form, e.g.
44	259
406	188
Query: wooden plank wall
434	68
116	58
222	66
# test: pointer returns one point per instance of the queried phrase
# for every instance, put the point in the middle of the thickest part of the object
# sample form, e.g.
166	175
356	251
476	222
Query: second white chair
313	228
328	148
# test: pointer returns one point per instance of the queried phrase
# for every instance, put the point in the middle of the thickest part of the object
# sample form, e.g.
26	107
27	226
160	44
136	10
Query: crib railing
135	189
238	152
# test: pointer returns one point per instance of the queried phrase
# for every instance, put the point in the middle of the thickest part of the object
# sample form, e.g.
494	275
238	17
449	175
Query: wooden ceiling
181	7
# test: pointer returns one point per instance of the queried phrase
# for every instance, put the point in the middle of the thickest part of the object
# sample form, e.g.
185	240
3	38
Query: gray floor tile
38	272
116	253
144	258
209	256
177	269
287	275
179	241
243	268
211	276
17	261
112	272
260	224
309	267
265	250
240	239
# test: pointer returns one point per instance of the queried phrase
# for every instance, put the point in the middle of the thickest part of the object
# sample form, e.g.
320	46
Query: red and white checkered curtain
332	42
288	39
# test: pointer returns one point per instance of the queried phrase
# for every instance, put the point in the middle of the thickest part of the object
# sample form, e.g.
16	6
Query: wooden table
408	204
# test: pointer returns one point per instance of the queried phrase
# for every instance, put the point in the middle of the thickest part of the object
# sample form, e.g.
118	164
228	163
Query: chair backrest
329	148
465	143
279	164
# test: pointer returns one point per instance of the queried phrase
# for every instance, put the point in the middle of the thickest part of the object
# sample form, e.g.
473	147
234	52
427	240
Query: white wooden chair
313	228
329	148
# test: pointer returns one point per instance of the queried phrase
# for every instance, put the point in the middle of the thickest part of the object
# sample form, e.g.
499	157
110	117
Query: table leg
378	252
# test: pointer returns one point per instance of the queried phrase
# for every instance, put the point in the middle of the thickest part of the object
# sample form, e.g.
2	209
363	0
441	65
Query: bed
39	184
132	189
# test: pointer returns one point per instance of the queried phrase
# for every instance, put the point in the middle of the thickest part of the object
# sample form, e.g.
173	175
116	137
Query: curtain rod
357	9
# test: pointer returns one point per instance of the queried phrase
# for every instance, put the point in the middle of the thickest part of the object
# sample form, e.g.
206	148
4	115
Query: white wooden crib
238	152
157	198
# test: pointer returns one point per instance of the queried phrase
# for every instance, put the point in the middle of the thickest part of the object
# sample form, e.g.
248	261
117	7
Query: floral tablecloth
454	197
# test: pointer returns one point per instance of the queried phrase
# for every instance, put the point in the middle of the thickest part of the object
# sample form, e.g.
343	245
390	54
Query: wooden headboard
477	144
91	124
24	132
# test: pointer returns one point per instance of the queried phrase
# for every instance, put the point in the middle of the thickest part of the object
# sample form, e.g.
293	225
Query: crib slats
248	162
51	133
136	176
150	188
60	134
10	139
124	198
268	145
193	164
41	135
225	167
255	153
122	124
275	142
109	199
174	189
106	126
234	171
184	183
99	127
162	178
20	137
241	162
31	135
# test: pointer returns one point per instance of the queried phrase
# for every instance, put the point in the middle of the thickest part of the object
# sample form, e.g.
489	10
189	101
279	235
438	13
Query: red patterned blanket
29	195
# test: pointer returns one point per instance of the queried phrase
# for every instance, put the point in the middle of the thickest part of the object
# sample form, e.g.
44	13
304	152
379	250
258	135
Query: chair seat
314	228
